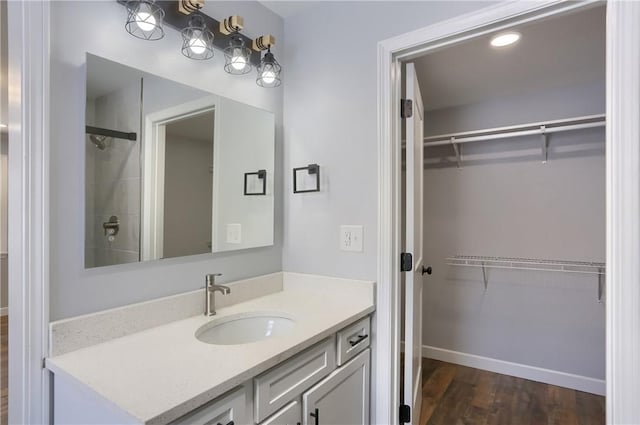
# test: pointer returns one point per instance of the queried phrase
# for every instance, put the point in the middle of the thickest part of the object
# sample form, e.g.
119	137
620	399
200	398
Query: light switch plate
351	238
234	233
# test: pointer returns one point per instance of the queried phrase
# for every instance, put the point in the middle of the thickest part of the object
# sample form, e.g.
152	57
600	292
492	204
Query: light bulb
238	61
505	39
268	76
197	44
145	21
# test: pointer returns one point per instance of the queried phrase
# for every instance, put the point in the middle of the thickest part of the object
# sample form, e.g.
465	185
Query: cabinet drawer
291	414
230	407
353	340
278	386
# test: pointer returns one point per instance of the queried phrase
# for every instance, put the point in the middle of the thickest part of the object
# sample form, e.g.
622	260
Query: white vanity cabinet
341	398
327	383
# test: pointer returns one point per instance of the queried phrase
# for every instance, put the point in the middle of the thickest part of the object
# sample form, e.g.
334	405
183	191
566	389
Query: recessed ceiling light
505	39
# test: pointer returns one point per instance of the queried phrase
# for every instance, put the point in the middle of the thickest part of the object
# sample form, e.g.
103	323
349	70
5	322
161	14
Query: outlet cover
234	233
351	238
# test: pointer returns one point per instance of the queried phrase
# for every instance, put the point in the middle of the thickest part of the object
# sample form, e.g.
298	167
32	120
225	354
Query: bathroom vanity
298	354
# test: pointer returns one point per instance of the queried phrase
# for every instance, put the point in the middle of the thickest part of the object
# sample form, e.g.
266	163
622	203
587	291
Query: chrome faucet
210	293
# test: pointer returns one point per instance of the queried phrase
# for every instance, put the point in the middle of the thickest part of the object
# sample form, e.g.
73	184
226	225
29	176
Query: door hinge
405	414
406	108
406	262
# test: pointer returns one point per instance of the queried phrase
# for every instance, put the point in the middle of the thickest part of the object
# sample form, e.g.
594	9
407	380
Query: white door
413	244
342	398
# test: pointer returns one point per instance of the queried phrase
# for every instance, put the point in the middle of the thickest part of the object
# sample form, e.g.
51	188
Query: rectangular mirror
172	170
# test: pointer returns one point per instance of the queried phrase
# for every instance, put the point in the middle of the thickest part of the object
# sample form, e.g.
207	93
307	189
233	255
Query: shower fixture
100	142
101	138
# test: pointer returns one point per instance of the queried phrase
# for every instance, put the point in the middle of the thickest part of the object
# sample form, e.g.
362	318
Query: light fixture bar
232	24
263	42
189	6
177	20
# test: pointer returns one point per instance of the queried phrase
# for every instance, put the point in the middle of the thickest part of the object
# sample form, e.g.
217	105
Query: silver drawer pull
358	340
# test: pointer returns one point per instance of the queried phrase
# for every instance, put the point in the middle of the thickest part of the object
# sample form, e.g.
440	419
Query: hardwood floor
458	395
4	369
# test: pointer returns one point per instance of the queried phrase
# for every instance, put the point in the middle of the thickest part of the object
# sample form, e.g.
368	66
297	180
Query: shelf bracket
545	143
600	284
484	276
456	149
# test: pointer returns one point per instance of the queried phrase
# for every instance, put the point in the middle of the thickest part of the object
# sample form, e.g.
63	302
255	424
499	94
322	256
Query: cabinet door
291	414
342	398
230	408
285	382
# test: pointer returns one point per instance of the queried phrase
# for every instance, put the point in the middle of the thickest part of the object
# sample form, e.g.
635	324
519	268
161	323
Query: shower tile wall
113	179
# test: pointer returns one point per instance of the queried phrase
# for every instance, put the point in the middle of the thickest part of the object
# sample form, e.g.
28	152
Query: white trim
152	237
623	212
533	373
406	46
387	333
4	311
29	33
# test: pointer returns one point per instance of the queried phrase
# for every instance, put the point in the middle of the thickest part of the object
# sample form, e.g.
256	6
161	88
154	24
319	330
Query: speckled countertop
162	373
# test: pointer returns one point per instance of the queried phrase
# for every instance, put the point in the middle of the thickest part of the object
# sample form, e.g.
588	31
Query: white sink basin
240	329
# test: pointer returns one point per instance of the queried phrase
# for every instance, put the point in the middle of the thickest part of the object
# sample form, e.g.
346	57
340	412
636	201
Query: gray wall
331	119
187	181
75	290
505	202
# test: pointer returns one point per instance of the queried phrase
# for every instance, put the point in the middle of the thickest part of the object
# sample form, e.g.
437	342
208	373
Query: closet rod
544	127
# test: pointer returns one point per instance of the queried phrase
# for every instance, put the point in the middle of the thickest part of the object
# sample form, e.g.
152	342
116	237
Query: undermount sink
240	329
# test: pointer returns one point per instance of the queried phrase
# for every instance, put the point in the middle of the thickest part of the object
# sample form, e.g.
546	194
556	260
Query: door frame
622	199
151	232
28	238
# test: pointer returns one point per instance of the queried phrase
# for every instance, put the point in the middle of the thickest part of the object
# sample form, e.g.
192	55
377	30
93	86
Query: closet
513	314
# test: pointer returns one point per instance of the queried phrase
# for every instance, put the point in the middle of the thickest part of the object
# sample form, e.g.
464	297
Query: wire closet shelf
534	264
527	264
543	129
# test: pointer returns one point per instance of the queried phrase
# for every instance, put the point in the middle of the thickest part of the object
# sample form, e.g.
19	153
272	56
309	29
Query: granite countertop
157	375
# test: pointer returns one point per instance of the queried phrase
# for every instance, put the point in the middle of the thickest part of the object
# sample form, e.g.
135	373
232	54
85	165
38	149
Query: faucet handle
211	278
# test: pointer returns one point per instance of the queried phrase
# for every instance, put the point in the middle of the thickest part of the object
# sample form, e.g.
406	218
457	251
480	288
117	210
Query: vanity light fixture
145	19
269	68
505	39
237	56
3	126
197	39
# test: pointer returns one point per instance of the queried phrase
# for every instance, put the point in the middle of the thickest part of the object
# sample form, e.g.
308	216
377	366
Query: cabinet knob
427	270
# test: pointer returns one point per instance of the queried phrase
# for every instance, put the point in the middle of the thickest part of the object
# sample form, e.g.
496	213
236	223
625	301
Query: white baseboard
4	311
547	376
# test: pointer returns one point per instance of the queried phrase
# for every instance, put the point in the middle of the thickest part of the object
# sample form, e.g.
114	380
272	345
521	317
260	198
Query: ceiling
199	127
286	8
559	51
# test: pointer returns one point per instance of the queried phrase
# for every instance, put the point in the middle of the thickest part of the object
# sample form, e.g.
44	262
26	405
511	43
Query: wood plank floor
458	395
4	369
